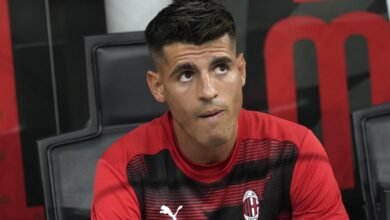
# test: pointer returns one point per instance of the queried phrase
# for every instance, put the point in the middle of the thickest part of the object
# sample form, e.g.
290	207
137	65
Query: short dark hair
186	21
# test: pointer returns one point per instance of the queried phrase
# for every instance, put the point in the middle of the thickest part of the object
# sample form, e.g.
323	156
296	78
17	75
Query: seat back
372	150
118	100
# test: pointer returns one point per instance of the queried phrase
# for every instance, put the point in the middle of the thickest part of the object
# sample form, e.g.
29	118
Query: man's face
202	86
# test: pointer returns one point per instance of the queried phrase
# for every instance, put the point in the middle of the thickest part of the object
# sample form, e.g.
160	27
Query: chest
253	189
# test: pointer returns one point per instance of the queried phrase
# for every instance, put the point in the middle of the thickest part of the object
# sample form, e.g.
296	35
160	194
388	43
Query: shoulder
259	125
147	138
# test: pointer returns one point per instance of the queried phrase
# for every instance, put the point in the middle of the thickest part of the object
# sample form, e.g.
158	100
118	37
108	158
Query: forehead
175	53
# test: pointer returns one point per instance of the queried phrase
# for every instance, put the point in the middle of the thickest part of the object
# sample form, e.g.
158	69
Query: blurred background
309	61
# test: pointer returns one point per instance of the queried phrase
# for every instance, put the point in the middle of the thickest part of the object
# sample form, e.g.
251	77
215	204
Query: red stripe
247	209
330	42
12	191
334	97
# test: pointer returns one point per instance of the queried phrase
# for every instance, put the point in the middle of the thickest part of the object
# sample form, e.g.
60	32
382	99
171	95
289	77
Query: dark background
48	49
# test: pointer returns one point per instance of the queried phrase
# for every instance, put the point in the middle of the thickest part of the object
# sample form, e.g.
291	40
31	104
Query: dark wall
47	41
48	50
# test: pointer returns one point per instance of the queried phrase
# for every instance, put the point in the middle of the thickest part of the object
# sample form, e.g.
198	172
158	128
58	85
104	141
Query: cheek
234	95
179	103
233	85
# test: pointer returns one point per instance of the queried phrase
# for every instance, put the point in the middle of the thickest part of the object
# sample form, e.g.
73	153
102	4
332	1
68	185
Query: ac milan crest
250	205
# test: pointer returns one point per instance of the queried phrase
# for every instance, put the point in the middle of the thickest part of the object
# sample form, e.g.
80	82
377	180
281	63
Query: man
208	158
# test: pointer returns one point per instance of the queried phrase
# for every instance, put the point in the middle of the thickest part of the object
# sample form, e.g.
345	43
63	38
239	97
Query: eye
221	69
186	76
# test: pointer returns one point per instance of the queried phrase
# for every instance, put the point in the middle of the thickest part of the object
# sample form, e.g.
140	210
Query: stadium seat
372	150
118	100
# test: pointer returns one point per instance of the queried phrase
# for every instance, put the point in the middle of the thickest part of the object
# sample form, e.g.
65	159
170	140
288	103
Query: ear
155	85
241	63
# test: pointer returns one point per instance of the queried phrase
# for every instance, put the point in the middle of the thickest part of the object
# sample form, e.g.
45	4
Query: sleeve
314	191
113	196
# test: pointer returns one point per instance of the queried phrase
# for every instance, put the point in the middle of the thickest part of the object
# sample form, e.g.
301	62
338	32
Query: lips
211	113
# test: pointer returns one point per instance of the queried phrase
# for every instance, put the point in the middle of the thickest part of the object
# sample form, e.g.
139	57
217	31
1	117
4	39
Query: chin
216	140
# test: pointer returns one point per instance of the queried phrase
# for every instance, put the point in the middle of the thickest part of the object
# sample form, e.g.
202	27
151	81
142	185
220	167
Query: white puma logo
167	211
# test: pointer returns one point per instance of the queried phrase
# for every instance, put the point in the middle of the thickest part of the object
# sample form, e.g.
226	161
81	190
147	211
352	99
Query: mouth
211	114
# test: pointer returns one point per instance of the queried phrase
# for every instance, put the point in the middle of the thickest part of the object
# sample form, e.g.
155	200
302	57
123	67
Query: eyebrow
190	66
219	60
181	67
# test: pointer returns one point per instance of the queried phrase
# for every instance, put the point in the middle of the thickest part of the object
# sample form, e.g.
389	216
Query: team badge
251	206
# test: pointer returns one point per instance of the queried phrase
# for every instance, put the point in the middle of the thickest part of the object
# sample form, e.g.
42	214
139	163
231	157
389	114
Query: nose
206	88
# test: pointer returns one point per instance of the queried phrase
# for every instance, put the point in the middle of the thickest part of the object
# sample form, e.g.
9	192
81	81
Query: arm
113	196
314	191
